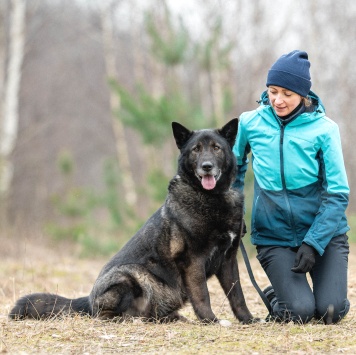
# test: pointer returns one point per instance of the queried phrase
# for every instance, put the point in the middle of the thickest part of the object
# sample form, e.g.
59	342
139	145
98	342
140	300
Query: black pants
295	299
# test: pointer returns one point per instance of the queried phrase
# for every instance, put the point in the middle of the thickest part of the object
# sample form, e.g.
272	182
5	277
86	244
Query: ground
34	265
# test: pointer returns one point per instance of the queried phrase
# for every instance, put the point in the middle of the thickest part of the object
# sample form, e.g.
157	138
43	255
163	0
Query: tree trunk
128	185
10	109
217	98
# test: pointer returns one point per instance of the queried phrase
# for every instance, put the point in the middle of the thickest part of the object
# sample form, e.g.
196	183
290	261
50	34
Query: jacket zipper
284	186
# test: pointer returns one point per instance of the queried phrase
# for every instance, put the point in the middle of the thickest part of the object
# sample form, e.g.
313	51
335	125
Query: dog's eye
196	149
216	148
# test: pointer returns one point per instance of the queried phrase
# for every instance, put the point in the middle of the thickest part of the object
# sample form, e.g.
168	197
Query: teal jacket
300	184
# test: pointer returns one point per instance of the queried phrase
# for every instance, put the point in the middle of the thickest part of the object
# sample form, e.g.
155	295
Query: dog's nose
207	166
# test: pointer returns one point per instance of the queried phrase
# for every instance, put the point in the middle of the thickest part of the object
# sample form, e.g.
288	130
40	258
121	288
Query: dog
194	235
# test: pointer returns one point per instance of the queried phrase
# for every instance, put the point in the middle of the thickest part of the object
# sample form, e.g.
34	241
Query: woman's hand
304	260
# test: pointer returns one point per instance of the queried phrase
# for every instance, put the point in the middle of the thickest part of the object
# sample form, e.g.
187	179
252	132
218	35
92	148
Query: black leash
254	283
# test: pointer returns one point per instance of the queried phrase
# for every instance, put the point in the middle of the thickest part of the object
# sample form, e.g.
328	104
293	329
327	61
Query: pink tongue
208	182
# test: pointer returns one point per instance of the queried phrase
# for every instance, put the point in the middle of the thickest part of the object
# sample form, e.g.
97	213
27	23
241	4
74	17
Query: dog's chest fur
211	219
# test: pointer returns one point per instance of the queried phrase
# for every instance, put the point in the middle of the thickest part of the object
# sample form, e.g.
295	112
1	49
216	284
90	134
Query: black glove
305	259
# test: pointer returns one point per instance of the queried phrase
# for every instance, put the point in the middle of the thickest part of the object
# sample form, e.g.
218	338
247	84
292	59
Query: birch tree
10	108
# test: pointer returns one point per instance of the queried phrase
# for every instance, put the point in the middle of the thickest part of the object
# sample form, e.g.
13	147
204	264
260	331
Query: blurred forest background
89	90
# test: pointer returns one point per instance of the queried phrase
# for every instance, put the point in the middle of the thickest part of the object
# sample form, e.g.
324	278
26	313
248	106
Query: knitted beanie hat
291	71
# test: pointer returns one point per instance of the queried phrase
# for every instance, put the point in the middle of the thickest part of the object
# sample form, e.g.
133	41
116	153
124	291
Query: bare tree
64	107
129	192
3	16
10	112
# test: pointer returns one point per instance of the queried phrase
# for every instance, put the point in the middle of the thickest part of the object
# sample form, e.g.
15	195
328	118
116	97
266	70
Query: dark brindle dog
194	235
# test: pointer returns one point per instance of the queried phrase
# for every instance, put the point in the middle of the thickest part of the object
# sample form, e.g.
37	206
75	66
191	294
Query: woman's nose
278	99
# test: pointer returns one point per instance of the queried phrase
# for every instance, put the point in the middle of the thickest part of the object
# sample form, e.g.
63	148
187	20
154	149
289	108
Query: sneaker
269	292
272	299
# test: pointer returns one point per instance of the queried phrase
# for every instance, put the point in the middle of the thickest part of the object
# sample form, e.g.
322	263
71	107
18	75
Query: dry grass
25	269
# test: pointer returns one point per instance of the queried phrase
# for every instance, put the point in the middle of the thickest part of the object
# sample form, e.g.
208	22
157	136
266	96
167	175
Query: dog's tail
46	305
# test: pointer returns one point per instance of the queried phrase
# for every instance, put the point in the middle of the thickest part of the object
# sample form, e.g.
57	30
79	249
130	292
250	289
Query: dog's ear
229	131
181	134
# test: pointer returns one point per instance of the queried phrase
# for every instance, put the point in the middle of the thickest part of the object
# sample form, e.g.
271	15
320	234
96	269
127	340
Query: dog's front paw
253	320
225	323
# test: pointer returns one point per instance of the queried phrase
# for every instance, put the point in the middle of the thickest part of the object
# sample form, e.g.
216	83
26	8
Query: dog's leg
116	299
197	290
174	317
228	276
112	303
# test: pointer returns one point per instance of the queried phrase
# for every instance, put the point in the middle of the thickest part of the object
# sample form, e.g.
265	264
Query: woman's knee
332	312
303	312
298	312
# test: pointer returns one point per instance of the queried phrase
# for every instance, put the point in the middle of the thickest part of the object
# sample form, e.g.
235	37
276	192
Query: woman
300	195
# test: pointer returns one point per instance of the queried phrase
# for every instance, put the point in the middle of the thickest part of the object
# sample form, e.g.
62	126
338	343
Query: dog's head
206	155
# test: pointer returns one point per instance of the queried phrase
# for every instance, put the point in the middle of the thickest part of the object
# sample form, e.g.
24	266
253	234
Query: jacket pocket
269	218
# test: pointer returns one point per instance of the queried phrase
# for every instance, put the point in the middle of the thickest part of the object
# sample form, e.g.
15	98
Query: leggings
295	300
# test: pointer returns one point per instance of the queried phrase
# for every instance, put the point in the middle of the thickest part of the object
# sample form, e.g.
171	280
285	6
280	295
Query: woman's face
283	100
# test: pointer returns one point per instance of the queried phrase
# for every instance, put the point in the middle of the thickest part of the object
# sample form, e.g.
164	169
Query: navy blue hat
291	71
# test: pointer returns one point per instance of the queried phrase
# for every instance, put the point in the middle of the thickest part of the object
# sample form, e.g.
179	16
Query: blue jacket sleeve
335	195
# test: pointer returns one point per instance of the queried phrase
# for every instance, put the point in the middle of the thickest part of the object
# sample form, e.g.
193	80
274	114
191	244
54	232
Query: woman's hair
307	101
